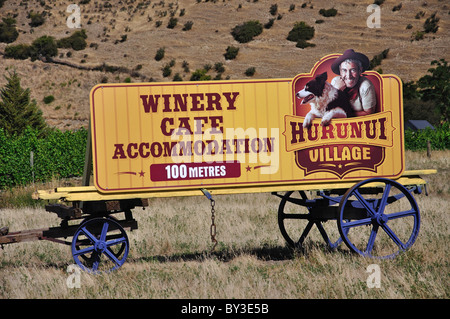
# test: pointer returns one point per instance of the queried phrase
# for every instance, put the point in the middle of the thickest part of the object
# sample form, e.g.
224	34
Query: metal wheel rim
92	248
377	219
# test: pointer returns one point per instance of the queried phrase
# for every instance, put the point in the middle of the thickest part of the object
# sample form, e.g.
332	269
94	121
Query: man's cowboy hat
351	54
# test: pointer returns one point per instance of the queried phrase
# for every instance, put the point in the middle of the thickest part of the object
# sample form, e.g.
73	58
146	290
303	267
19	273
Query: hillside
126	34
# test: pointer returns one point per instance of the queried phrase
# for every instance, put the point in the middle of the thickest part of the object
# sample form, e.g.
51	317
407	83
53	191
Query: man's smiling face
350	73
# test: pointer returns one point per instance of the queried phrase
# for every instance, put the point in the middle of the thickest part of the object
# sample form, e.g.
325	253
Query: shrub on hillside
376	60
48	99
37	19
269	24
273	9
300	33
172	23
231	53
245	32
250	71
76	41
160	54
200	75
8	32
18	52
431	24
188	26
44	46
328	12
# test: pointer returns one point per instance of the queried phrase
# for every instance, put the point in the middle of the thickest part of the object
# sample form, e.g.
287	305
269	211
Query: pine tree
17	110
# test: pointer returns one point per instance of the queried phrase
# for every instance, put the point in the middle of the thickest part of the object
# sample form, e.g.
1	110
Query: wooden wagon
212	138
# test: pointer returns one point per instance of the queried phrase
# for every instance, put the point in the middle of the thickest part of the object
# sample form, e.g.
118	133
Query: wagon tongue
307	99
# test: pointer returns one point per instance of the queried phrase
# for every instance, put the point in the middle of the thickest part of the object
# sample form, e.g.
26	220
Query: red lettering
184	123
231	99
164	122
297	133
130	152
198	124
141	150
150	102
215	120
213	99
166	98
180	102
196	104
118	152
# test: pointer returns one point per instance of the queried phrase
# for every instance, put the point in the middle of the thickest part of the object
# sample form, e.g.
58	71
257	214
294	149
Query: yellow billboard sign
237	133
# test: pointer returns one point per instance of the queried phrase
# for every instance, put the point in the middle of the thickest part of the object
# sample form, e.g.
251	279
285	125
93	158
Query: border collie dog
326	101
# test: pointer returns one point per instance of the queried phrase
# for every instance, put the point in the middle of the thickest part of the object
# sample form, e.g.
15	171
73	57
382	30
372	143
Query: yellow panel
178	136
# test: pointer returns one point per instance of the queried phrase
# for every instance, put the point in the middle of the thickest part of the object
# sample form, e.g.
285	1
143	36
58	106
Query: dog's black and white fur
325	100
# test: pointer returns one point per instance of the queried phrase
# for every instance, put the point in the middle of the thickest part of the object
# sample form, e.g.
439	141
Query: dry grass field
170	254
270	53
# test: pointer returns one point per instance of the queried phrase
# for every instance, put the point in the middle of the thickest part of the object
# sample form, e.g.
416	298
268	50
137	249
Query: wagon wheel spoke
88	234
365	203
384	198
356	223
305	233
118	241
84	251
112	257
371	241
96	261
410	212
393	236
104	231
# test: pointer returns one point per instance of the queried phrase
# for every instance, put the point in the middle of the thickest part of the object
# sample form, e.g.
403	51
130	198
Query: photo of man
361	92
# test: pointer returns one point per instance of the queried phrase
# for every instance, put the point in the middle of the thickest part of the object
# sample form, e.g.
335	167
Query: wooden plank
91	194
419	172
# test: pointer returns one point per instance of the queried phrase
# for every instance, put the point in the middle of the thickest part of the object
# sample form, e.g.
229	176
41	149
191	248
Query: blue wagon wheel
378	218
100	245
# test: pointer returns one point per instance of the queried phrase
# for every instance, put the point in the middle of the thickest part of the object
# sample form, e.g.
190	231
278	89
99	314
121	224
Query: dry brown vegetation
170	254
270	53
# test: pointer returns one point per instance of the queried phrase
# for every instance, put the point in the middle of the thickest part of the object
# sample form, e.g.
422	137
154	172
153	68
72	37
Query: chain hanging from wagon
213	217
